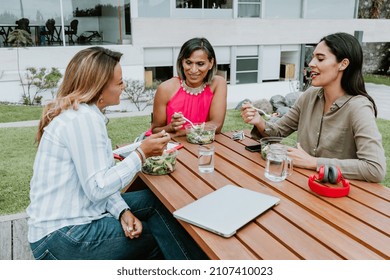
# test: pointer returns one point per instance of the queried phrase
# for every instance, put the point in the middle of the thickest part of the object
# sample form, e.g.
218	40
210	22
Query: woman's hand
250	115
302	159
155	144
131	226
177	122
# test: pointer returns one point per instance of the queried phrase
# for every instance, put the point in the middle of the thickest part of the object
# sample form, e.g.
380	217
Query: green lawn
16	113
377	79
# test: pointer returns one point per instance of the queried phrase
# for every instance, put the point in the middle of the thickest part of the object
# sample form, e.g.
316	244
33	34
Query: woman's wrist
122	212
141	154
170	128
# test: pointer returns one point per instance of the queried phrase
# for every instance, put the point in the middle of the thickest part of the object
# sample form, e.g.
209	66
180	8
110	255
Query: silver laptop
226	210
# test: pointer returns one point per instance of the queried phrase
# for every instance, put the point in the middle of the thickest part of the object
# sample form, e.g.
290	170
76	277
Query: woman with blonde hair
77	210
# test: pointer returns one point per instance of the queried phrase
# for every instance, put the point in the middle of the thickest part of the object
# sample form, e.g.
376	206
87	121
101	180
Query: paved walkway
380	93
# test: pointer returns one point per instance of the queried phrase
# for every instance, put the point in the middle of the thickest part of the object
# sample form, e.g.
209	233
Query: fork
262	112
192	124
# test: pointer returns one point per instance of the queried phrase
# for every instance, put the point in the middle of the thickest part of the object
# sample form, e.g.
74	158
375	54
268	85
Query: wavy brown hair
85	77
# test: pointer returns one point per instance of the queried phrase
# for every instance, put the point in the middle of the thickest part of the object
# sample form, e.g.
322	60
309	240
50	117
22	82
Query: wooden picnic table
303	226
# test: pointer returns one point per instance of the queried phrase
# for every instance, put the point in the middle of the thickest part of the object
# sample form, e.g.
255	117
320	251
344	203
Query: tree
41	80
376	8
139	95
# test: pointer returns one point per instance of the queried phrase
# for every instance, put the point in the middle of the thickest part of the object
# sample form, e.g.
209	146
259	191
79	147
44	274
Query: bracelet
141	153
123	211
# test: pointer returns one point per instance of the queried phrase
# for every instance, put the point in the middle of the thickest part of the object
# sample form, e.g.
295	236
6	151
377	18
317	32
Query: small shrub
41	80
138	94
19	38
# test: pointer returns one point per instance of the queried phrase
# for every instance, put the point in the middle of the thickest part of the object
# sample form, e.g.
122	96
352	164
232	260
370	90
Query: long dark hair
188	48
344	45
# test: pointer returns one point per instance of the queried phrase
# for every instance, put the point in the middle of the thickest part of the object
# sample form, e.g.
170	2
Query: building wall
161	32
10	89
163	36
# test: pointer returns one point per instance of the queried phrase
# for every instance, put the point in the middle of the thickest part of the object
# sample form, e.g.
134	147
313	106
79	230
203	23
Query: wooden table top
303	226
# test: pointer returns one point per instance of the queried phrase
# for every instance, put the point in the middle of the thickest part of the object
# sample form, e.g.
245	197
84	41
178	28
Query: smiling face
112	91
325	69
196	68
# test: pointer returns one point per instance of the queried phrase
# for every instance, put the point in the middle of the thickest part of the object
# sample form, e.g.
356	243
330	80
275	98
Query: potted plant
19	38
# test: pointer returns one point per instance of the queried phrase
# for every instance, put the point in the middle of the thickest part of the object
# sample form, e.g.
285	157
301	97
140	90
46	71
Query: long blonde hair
85	77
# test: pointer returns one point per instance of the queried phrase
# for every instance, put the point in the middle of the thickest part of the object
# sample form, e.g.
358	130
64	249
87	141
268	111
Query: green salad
160	165
264	151
200	134
267	141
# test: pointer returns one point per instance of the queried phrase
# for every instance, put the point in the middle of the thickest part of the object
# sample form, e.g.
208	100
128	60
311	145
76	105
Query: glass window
159	73
205	4
326	9
246	78
283	9
247	63
247	69
34	14
154	8
100	21
249	8
85	21
224	71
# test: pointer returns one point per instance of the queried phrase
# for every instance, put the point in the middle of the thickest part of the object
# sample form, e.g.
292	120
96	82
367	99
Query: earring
100	100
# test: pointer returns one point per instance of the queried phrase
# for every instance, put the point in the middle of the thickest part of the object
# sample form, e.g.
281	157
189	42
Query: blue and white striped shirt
75	179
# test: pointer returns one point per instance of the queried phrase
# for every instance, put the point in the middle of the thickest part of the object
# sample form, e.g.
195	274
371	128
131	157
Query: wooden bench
13	238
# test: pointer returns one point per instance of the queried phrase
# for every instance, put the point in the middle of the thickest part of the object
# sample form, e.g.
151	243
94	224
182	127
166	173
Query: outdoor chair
72	30
49	31
24	24
2	33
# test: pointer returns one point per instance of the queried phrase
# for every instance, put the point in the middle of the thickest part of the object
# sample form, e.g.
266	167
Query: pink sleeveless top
194	107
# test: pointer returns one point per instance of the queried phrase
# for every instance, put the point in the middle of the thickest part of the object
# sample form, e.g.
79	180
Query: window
127	18
205	4
94	18
326	9
283	9
247	69
224	71
249	8
160	73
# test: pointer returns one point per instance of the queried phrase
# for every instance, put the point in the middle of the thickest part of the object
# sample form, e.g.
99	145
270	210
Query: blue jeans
162	236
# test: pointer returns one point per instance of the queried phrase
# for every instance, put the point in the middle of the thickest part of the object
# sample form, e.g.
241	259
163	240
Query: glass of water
278	165
206	158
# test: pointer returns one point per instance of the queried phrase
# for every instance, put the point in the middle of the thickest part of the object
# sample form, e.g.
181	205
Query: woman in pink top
197	93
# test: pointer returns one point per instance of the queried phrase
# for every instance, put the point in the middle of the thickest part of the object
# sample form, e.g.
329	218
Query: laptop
226	210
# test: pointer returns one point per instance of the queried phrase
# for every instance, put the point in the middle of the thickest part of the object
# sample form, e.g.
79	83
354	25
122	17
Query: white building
260	44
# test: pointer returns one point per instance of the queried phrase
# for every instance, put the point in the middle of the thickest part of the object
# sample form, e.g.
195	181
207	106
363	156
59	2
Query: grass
377	79
16	113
